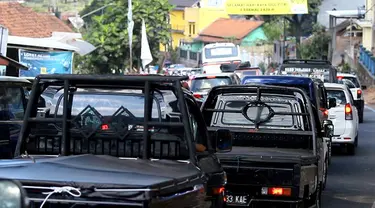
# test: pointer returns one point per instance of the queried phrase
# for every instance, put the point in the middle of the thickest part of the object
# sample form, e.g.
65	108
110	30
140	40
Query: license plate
237	199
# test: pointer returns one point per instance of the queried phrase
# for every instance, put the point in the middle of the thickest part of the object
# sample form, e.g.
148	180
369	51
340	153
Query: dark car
110	141
321	69
201	84
277	155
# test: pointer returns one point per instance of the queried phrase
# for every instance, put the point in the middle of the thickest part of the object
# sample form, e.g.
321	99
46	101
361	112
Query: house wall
197	19
177	22
367	38
252	50
368	33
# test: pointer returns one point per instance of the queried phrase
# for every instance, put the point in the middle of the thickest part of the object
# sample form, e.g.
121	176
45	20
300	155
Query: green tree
274	29
317	45
108	32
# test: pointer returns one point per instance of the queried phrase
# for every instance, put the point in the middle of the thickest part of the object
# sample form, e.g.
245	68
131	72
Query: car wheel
350	148
218	202
360	116
325	173
316	199
329	153
356	141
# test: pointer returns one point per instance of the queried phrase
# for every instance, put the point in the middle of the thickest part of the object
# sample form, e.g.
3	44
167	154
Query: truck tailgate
264	166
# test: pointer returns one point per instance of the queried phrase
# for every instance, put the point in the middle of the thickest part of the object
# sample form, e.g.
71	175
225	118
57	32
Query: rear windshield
205	84
109	122
276	104
339	95
352	79
347	82
305	88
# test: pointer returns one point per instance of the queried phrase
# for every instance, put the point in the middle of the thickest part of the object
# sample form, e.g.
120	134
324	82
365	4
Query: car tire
350	148
360	116
324	182
329	153
317	202
356	141
218	202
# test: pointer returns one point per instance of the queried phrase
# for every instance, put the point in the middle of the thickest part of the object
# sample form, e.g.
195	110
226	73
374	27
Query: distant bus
215	54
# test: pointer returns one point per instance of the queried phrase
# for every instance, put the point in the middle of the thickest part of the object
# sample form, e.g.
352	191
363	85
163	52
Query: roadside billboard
41	62
266	7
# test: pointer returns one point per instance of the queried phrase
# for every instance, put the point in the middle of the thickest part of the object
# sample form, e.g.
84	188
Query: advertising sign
40	62
266	7
319	73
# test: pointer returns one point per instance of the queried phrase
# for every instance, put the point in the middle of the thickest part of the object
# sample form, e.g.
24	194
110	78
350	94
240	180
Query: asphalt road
351	179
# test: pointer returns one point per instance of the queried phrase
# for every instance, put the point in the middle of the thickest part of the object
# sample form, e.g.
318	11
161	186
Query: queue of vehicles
147	141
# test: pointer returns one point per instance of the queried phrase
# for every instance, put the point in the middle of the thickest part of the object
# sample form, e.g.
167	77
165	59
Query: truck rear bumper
267	202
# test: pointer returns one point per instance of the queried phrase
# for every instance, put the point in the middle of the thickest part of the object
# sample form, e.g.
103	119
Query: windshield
221	52
205	84
339	95
354	80
11	103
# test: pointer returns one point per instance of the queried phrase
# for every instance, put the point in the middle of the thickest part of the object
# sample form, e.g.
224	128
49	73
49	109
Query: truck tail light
359	94
218	191
348	112
105	127
198	96
276	191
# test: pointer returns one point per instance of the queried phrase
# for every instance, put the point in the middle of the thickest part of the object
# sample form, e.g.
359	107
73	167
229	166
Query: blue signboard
40	62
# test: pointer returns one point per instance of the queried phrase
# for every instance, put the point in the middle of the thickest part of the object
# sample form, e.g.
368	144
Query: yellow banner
266	7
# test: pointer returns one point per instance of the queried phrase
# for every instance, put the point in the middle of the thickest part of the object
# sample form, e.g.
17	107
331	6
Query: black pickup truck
109	141
277	155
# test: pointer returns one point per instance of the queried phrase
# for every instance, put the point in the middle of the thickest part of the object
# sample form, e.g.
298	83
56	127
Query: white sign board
3	46
3	40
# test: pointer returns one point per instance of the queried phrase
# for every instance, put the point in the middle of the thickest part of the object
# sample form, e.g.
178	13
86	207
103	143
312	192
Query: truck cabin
261	116
321	69
121	116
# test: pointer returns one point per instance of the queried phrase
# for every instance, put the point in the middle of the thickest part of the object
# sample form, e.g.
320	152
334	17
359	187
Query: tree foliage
274	29
317	45
108	32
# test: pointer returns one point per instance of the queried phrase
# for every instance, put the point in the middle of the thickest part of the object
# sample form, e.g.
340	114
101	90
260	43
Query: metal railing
367	59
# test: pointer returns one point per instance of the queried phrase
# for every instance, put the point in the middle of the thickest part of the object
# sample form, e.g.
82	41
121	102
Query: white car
356	89
344	117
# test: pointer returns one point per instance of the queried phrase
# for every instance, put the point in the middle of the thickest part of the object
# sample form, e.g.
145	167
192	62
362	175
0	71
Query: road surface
351	179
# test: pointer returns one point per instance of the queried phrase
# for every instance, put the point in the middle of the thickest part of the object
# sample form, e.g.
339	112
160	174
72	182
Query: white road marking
373	205
371	109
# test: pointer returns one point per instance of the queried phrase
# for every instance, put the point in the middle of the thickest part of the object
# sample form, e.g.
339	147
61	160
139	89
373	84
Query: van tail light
359	94
198	96
348	112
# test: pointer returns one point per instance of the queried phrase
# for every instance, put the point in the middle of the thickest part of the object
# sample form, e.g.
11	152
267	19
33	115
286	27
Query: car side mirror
364	87
332	102
328	128
12	194
224	140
